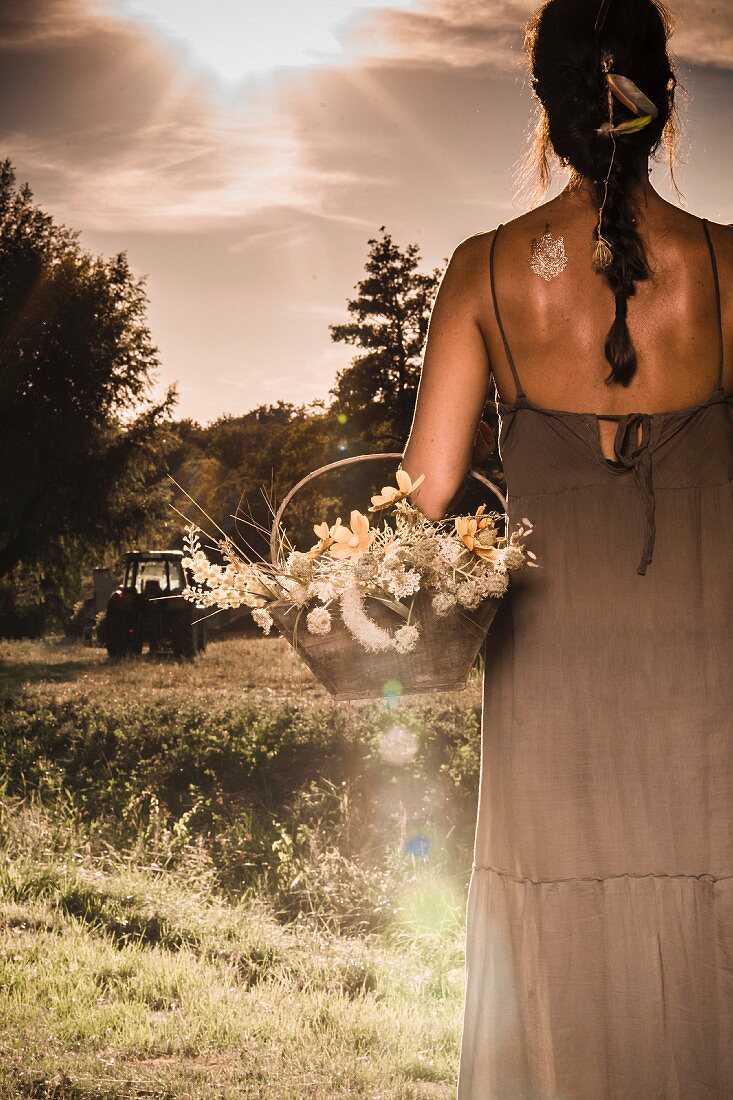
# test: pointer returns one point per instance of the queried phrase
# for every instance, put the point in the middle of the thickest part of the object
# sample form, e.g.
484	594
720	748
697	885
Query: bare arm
454	383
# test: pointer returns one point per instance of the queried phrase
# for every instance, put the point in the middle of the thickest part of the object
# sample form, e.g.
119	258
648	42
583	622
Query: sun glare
236	40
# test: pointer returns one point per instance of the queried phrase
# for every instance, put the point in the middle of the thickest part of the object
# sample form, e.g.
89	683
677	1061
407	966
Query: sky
243	153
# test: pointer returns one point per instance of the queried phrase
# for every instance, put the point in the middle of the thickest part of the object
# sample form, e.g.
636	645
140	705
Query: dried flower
263	618
406	638
477	533
365	570
350	542
323	534
450	549
513	556
461	562
318	620
396	579
469	594
495	584
443	603
322	588
368	633
296	591
389	495
300	566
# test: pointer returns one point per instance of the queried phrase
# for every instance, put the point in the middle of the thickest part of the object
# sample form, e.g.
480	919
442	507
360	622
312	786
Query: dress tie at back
631	446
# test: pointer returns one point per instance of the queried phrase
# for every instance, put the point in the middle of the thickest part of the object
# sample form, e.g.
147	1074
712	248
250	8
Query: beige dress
600	909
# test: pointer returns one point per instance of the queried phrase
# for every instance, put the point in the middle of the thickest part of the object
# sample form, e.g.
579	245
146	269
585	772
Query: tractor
148	607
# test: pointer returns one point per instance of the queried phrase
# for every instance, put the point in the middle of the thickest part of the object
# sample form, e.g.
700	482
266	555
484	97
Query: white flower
469	594
300	566
226	596
450	548
513	556
368	633
297	592
396	579
263	618
443	603
495	584
322	588
318	620
406	638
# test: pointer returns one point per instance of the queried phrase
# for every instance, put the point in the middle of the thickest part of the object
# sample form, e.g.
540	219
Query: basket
441	660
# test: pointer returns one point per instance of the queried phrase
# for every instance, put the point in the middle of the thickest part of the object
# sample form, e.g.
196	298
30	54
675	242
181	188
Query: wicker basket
441	660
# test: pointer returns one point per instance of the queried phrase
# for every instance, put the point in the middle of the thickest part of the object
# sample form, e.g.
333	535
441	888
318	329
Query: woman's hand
483	447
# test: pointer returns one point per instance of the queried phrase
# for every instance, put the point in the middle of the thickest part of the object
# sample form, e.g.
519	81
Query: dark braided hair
565	60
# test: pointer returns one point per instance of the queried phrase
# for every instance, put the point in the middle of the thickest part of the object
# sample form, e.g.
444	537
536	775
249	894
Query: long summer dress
599	924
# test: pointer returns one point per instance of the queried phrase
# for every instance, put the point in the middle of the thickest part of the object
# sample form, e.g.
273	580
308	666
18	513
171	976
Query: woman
600	908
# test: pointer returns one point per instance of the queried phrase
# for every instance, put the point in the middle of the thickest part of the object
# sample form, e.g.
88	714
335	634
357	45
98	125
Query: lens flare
392	690
398	745
430	905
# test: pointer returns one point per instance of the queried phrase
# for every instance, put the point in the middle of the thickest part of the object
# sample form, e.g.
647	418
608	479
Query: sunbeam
233	43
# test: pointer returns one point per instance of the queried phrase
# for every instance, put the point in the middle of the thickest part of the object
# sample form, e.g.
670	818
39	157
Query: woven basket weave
443	657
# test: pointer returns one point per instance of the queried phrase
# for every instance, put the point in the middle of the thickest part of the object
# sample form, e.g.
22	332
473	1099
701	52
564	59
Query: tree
376	392
82	445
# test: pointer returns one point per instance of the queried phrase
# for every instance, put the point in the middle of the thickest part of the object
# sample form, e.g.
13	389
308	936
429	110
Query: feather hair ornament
628	93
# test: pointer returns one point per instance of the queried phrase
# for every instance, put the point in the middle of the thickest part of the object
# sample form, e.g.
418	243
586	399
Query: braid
569	81
628	266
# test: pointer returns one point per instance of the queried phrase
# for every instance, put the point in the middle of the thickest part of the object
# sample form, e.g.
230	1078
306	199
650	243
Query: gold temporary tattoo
548	257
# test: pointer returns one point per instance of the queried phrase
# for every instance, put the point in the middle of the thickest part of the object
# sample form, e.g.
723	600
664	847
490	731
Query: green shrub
315	804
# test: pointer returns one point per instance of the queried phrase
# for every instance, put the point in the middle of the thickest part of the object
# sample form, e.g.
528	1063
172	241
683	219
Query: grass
206	882
258	668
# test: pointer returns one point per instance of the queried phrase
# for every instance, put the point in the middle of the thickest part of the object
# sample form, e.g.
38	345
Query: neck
582	188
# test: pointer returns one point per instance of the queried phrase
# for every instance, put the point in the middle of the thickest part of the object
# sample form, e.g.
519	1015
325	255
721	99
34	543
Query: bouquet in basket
383	582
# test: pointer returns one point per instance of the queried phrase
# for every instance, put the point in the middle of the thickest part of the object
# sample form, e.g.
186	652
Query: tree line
88	455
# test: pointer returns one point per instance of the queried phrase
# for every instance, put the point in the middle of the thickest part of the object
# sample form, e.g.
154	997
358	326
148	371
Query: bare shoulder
472	253
467	274
722	238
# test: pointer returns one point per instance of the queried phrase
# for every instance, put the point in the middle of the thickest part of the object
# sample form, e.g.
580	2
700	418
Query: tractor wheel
183	638
115	637
200	637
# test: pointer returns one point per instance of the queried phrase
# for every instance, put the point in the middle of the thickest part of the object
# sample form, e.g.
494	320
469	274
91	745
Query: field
217	882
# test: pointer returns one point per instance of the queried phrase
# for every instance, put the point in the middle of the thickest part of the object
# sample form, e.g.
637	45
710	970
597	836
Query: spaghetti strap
518	385
716	280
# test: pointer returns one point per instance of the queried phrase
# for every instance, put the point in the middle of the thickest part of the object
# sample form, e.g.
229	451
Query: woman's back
556	328
600	911
599	928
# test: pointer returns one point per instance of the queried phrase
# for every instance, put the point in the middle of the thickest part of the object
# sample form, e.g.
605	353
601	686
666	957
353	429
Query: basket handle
346	462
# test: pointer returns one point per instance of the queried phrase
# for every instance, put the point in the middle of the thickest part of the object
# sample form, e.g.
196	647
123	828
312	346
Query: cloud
26	24
467	33
114	135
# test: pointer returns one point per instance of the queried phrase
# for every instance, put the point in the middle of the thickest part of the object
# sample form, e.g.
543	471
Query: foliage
84	441
294	799
187	853
241	466
390	315
118	979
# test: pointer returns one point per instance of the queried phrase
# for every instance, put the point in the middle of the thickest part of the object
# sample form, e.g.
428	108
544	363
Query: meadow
217	882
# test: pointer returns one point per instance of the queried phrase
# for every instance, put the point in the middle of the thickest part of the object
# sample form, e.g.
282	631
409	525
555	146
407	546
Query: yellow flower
477	533
324	540
483	521
466	528
350	541
390	495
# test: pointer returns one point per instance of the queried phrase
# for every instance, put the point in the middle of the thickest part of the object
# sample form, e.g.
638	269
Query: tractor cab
149	607
155	574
